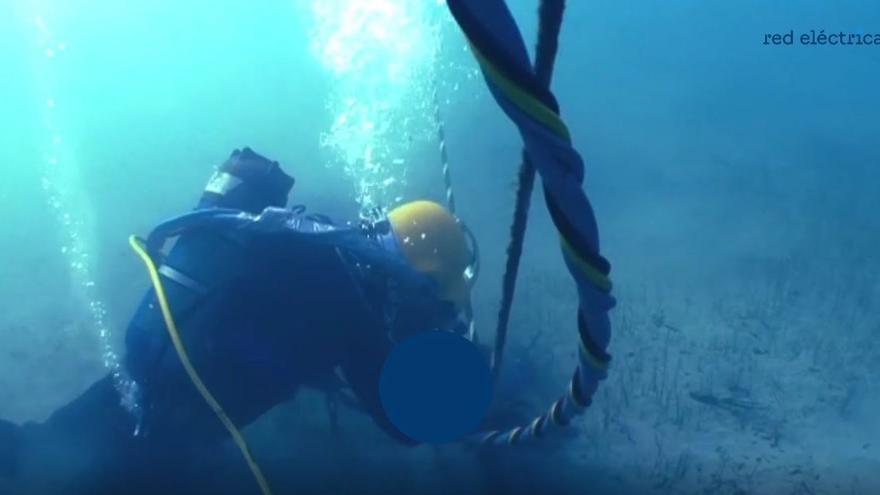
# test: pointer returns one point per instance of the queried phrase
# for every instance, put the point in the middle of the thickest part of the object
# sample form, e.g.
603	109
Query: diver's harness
226	220
377	244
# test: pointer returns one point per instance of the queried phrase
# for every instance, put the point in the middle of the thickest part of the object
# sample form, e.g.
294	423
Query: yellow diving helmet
436	243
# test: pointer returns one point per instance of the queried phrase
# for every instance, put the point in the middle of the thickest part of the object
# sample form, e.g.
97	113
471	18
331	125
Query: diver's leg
10	440
78	444
97	414
77	438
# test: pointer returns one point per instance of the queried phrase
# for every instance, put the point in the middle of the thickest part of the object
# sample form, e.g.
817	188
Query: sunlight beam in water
64	195
380	55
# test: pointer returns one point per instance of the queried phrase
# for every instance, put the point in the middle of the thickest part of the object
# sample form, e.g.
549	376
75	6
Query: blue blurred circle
435	387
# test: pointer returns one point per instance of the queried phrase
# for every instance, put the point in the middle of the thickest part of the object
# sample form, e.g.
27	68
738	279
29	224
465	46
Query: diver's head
436	243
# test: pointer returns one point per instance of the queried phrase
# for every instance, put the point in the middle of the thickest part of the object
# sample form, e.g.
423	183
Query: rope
550	15
174	334
440	125
444	157
498	47
447	173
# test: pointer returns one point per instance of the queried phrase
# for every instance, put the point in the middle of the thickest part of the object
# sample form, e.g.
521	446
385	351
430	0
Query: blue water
735	184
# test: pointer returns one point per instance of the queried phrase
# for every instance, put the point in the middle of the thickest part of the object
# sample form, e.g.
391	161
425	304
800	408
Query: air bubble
57	187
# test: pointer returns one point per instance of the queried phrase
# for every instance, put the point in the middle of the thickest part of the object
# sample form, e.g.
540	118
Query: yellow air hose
138	246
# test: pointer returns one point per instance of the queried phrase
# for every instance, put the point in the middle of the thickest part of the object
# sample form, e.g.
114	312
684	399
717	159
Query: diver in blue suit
267	299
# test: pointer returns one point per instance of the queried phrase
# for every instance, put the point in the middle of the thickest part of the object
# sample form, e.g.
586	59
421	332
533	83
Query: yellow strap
587	357
524	100
573	398
545	115
171	326
598	279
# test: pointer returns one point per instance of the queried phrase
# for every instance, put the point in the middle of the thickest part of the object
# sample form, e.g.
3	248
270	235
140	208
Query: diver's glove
247	181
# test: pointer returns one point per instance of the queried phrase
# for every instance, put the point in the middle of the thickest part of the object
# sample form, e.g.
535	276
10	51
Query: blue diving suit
268	300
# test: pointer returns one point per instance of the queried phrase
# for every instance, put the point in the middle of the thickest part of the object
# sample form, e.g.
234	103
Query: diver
268	300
